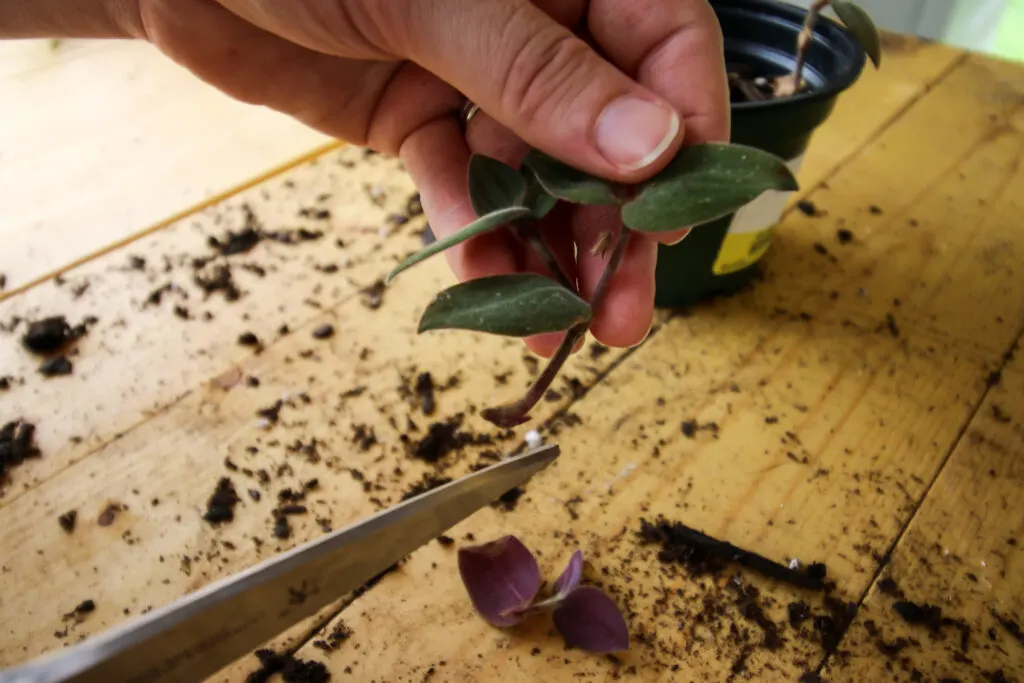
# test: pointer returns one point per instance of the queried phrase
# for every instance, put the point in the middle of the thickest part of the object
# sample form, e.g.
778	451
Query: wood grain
103	139
137	352
828	427
824	425
959	564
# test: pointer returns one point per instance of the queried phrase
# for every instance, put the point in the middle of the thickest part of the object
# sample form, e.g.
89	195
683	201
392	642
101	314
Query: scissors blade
201	633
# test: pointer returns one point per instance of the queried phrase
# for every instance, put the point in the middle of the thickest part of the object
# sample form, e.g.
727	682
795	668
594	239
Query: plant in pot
787	67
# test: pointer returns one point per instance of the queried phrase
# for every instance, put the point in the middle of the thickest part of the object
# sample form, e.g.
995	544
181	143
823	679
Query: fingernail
685	235
632	133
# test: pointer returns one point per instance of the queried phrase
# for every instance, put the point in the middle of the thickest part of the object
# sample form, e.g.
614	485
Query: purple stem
528	232
513	414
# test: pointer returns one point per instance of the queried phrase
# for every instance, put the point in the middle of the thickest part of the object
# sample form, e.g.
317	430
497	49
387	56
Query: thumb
545	84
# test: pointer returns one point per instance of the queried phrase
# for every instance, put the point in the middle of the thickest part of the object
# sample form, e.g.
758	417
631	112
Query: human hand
392	76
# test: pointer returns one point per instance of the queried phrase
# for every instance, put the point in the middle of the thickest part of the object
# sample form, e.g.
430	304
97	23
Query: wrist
70	19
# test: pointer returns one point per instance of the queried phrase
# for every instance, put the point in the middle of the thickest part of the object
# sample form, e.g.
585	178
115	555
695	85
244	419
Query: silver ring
469	110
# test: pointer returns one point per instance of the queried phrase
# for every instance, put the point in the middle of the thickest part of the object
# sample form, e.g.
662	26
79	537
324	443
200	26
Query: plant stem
513	414
803	41
530	233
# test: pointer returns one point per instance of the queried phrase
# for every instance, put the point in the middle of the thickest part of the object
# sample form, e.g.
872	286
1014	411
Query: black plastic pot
760	37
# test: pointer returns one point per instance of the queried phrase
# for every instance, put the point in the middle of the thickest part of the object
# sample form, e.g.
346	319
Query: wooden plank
131	352
959	561
912	67
113	138
827	428
927	250
177	454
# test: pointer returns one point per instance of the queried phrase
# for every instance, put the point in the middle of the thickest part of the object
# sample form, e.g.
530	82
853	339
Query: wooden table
862	406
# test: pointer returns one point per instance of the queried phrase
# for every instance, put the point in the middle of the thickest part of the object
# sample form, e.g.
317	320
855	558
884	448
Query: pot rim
838	38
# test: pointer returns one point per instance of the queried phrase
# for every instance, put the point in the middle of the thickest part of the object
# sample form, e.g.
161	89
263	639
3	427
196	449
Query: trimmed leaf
491	221
862	28
570	578
703	183
494	185
566	183
536	199
501	577
590	620
517	305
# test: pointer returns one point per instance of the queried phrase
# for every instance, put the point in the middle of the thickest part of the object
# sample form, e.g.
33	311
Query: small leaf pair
503	581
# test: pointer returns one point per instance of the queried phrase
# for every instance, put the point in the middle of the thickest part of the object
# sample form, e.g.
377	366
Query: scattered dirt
338	635
56	367
220	507
508	500
325	331
51	334
67	520
1011	626
373	296
443	438
428	483
424	392
17	444
109	514
248	339
78	613
701	554
1000	415
291	669
691	427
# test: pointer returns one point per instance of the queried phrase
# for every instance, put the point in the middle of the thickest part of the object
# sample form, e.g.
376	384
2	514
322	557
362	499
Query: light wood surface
834	435
101	139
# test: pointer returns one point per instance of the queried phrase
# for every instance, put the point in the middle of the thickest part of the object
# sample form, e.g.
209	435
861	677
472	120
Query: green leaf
511	305
862	28
494	185
703	183
566	183
491	221
536	199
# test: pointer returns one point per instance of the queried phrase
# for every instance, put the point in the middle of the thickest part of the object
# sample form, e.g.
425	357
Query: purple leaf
570	578
589	619
502	579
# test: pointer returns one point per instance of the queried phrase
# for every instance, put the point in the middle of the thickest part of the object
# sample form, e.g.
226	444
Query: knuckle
544	74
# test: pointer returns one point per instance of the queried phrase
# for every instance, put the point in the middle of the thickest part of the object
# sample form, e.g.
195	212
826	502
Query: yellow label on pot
750	233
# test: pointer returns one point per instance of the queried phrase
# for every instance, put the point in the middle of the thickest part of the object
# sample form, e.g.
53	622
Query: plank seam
881	130
213	200
1005	360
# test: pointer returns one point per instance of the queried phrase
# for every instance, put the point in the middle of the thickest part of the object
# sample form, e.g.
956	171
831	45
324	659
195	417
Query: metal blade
201	633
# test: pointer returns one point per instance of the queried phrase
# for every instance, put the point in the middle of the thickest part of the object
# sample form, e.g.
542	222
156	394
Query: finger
674	48
623	317
436	158
542	82
325	92
486	136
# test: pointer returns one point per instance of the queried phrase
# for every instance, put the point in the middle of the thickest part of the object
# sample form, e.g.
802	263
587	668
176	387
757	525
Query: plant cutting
787	67
702	183
503	581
